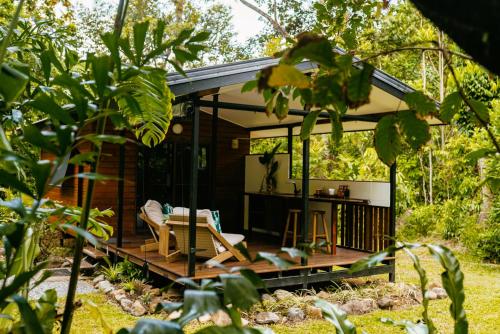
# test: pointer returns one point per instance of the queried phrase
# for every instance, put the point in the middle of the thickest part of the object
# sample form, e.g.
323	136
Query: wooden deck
327	266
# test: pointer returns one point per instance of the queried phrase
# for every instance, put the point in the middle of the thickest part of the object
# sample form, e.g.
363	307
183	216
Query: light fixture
177	128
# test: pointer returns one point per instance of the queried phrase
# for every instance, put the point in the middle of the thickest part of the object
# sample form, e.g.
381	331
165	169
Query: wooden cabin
205	162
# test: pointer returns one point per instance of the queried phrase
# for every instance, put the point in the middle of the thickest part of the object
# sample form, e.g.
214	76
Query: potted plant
269	181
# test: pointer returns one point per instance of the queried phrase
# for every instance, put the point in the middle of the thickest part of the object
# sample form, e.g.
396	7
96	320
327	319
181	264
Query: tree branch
268	17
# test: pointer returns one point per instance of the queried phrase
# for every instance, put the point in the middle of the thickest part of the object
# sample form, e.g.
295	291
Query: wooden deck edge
307	277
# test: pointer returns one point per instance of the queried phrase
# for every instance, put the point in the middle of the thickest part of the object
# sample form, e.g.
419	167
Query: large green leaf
46	311
387	139
148	106
281	107
154	326
450	106
359	85
481	110
416	130
453	282
308	124
198	303
140	30
30	322
12	83
337	129
287	75
337	317
11	181
239	291
313	47
100	71
51	108
420	103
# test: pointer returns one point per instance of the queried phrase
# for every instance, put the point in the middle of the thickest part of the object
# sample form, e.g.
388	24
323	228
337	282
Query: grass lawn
482	284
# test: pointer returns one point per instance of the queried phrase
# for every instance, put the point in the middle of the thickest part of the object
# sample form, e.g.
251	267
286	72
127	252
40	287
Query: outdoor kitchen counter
268	211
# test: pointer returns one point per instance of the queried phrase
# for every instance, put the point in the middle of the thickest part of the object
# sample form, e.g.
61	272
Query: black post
213	153
193	194
392	217
290	151
305	193
121	191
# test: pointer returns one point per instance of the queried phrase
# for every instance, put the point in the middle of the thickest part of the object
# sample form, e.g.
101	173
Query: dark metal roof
210	77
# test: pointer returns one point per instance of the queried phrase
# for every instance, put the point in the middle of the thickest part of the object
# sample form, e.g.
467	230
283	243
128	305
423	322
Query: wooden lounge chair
152	215
210	244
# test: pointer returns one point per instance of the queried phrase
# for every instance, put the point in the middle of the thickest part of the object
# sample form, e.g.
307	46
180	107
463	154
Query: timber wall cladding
230	167
229	173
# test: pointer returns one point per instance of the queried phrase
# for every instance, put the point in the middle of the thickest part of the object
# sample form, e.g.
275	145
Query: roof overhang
246	109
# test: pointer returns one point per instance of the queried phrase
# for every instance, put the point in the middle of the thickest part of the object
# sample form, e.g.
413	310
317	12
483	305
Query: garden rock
265	318
98	279
323	295
313	312
385	303
295	314
204	318
174	315
281	294
137	309
431	295
105	286
221	318
268	298
440	292
126	304
118	294
244	322
359	306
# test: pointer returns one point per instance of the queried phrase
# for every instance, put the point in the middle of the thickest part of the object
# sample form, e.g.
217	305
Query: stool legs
292	214
324	235
287	225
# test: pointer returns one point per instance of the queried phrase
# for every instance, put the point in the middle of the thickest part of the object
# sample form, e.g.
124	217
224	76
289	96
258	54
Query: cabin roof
226	80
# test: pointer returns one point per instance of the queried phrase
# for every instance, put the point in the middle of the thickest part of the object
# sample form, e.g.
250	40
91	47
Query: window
354	159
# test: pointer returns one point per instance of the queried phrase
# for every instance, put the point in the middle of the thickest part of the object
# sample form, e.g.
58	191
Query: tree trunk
424	189
486	195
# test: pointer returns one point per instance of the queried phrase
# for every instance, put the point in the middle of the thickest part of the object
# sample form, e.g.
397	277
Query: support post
392	217
305	193
290	151
193	185
121	192
213	152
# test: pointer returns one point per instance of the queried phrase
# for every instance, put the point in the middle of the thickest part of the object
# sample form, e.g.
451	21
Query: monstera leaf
147	106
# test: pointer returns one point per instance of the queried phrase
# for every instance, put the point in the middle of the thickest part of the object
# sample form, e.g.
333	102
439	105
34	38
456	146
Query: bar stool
319	215
292	214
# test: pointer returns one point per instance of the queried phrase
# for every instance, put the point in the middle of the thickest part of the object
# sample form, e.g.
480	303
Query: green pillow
167	210
216	218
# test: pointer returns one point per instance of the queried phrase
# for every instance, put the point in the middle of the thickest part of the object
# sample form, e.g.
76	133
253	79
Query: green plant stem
80	241
10	32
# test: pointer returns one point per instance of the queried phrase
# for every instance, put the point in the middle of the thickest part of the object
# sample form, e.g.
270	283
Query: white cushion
232	238
181	211
153	210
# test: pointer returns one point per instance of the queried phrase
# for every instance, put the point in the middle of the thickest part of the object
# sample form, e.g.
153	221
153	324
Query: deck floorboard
156	262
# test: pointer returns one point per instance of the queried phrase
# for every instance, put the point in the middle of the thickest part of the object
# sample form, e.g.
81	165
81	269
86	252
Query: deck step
94	253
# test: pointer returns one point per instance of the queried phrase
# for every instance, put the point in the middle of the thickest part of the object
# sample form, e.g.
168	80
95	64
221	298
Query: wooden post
392	215
305	193
193	185
213	153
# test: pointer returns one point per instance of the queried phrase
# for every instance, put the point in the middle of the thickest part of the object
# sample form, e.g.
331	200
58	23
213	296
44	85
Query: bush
420	222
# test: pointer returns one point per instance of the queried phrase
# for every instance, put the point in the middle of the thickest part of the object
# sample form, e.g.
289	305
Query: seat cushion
232	238
153	210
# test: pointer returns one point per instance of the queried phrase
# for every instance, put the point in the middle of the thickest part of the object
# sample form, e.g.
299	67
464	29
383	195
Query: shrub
420	222
452	219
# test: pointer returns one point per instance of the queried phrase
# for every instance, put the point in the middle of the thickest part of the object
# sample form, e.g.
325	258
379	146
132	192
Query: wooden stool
295	213
316	215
